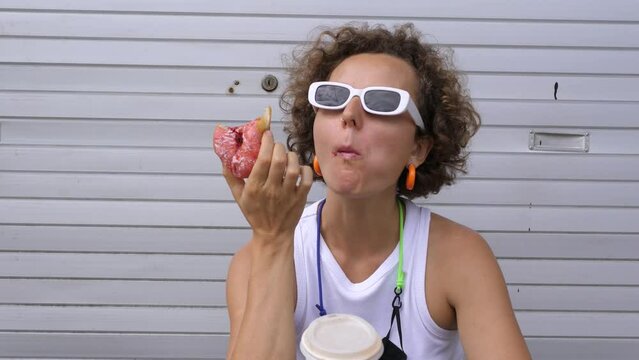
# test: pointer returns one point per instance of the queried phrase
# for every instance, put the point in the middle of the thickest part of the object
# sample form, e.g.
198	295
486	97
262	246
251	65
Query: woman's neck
360	228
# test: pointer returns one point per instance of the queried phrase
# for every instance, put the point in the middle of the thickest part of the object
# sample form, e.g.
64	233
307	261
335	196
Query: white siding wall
116	227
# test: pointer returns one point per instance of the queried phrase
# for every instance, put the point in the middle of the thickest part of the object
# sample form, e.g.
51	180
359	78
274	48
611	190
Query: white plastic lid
341	337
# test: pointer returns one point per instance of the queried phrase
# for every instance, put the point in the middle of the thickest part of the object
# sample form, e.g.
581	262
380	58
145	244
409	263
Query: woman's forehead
364	70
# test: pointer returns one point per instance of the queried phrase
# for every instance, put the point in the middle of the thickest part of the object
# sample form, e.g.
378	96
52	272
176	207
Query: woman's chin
344	184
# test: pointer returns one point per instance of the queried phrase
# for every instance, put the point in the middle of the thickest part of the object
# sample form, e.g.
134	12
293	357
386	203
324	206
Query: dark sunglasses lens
331	95
382	100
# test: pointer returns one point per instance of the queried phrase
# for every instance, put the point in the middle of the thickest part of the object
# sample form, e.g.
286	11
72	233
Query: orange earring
316	166
410	177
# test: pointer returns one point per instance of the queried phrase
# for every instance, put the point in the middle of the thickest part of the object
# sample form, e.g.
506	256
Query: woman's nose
352	114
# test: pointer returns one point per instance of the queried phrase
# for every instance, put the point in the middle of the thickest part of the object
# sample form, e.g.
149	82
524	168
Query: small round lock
269	83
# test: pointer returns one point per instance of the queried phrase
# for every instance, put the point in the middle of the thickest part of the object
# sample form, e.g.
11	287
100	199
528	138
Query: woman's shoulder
460	252
449	232
456	247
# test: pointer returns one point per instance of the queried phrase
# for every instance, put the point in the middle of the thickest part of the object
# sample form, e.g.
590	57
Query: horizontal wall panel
199	214
216	320
231	107
574	298
575	324
228	241
585	218
582	349
556	113
123	52
123	186
115	186
554	166
535	192
214	188
136	106
151	80
125	319
194	161
207	294
204	161
122	239
275	28
542	87
553	245
117	132
113	346
112	292
155	346
527	9
227	54
115	266
217	81
601	141
199	134
130	213
570	272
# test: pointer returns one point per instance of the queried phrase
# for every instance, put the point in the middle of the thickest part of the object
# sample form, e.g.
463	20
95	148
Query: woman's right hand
271	199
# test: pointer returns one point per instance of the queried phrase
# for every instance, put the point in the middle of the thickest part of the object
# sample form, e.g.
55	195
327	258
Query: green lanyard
400	267
390	350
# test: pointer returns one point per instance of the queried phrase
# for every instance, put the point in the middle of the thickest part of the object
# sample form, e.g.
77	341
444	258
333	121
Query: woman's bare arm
261	287
485	318
236	292
261	300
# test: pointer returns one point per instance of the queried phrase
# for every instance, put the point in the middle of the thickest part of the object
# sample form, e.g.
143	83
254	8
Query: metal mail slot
558	141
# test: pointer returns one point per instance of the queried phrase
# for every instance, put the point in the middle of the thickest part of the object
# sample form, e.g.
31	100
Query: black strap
397	304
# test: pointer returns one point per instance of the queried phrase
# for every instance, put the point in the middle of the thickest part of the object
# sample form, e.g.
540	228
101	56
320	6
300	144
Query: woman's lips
347	152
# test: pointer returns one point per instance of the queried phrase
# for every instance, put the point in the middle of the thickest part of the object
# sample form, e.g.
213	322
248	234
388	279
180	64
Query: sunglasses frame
405	101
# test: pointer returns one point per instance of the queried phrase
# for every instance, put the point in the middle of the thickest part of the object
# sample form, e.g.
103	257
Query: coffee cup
341	337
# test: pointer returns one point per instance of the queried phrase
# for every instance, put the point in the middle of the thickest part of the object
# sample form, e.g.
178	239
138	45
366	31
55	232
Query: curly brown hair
444	103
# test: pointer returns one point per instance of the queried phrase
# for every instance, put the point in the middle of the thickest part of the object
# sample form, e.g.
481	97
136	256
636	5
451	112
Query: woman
379	115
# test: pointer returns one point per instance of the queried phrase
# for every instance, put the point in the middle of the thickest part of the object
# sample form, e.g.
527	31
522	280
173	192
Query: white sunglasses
378	100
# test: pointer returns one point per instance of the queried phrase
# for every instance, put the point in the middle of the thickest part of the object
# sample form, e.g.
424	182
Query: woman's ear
421	149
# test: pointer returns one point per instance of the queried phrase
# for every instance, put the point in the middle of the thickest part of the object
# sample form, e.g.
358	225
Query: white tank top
372	298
